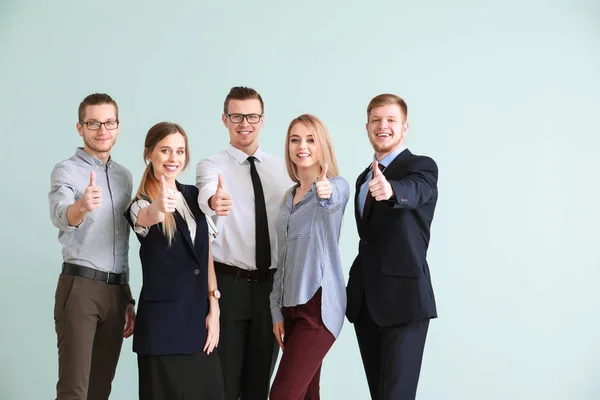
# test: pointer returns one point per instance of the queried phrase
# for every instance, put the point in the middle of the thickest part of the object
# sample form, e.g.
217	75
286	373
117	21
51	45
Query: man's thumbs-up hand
379	187
92	196
322	185
221	202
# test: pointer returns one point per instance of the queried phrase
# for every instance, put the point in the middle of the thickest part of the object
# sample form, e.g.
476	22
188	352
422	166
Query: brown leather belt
249	275
90	273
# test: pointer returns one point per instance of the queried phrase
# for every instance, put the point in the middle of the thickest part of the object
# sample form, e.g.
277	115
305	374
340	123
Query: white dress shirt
236	244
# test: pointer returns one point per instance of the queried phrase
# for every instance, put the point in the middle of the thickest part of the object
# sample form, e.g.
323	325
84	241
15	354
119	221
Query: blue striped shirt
308	236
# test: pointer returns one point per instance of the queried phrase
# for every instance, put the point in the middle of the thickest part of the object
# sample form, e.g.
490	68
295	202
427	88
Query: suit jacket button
196	271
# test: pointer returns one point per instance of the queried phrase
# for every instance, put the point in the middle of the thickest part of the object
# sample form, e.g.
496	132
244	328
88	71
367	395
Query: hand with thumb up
92	196
322	185
221	202
379	187
166	202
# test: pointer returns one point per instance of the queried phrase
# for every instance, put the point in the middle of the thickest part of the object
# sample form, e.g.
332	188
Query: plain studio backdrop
503	95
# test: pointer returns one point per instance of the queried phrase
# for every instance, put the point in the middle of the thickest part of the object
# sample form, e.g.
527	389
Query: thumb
324	172
163	183
376	170
221	184
92	178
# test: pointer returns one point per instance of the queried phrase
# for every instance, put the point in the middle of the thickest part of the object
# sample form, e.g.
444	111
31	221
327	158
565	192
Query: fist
221	202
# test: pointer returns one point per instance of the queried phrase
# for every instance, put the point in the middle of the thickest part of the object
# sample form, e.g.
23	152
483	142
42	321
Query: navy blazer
173	304
390	272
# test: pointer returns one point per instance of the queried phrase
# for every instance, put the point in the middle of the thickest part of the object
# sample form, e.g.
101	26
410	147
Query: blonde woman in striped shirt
308	300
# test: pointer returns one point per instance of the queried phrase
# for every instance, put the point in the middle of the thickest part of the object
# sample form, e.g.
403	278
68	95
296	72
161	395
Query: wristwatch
215	293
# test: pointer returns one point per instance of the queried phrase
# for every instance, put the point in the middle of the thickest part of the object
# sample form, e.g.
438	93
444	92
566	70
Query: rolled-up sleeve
134	211
61	196
207	178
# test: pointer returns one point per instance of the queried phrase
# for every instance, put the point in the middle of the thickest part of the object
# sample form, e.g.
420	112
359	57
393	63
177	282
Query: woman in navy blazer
177	326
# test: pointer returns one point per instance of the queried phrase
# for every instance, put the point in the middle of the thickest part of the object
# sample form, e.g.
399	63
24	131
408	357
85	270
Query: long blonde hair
320	134
150	186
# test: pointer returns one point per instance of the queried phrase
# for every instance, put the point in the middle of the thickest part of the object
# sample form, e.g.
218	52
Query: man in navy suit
390	296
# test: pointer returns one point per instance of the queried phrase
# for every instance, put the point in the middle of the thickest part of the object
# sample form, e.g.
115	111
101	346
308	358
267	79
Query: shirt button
196	271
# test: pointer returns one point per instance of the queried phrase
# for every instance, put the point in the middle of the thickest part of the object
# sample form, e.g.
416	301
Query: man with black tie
390	296
242	187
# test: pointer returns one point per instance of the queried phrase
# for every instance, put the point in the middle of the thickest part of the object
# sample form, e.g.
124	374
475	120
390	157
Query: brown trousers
89	317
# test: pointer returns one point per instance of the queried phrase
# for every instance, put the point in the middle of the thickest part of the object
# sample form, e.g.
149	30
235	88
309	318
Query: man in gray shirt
93	307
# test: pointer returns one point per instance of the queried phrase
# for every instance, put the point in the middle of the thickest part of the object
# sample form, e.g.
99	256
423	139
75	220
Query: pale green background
503	95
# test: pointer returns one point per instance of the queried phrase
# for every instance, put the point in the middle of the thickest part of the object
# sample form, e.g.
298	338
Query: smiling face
308	148
386	127
303	150
169	157
98	142
244	135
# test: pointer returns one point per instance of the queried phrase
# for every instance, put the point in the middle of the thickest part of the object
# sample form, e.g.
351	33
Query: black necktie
263	244
370	199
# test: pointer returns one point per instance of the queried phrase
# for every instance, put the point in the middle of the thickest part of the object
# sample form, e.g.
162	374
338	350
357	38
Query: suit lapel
359	182
361	222
192	201
404	154
180	221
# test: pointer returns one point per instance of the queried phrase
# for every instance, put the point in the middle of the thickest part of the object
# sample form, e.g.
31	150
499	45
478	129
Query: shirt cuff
203	199
64	221
276	314
141	230
212	229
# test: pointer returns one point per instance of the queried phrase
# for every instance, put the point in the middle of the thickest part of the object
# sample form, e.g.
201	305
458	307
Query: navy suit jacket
390	272
173	301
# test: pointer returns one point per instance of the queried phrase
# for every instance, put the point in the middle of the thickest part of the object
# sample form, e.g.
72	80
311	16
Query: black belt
249	275
90	273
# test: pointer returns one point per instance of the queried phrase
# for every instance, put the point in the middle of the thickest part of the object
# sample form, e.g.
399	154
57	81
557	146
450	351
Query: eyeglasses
238	118
95	125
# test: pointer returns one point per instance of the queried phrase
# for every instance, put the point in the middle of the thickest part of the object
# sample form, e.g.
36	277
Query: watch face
217	294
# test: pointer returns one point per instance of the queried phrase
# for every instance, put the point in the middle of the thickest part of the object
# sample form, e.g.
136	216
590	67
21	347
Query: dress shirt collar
88	158
240	156
385	161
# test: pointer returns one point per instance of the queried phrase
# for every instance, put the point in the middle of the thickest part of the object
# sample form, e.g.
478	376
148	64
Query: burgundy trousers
306	343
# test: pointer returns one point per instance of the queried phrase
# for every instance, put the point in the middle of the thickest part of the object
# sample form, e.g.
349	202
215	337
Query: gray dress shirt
309	255
101	241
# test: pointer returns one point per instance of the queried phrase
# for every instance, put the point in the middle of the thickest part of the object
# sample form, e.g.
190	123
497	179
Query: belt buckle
107	277
250	279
